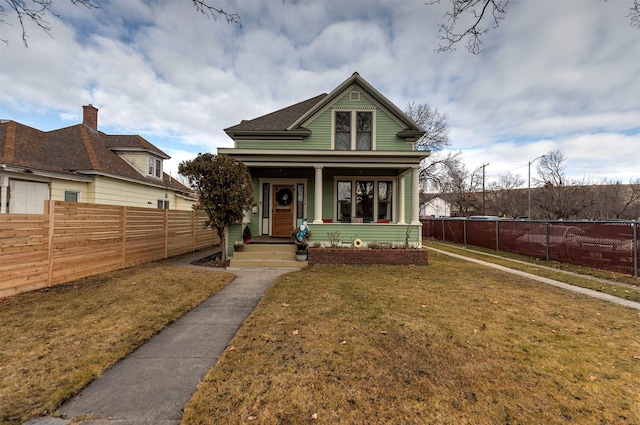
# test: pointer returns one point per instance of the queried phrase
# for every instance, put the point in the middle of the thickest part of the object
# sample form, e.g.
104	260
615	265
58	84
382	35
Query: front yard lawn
449	343
54	342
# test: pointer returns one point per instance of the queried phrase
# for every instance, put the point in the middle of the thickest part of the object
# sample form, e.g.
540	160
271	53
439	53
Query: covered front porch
344	196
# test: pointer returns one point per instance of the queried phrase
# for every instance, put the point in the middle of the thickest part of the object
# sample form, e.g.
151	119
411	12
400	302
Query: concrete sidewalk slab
584	291
154	383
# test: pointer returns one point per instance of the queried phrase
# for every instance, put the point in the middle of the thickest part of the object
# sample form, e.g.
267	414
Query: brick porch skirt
351	256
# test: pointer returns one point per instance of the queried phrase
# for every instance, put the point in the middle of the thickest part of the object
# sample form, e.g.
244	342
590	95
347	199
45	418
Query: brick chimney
90	116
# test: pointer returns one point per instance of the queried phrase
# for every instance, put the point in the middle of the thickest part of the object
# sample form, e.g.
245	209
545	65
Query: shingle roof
124	142
290	121
279	120
75	150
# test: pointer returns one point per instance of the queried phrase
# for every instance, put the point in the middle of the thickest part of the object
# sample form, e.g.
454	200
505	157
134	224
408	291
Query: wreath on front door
284	196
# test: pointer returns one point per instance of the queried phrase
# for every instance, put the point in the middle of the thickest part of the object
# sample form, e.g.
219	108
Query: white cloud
555	75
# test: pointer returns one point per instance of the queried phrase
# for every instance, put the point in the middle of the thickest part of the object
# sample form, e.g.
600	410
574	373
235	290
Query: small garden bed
389	256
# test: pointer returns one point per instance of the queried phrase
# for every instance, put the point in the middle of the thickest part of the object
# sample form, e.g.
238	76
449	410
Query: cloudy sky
556	74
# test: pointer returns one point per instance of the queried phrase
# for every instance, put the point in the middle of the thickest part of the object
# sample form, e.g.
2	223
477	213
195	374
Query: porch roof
325	158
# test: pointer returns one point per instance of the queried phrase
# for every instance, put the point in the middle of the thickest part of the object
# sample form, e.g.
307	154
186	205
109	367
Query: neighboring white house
82	164
434	206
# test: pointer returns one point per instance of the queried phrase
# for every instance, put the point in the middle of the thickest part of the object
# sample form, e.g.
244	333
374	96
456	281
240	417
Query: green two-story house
345	161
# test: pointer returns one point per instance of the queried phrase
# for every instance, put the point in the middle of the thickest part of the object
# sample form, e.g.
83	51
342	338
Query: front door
282	210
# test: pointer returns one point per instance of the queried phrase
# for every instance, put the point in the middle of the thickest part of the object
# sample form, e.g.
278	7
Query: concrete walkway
155	382
578	289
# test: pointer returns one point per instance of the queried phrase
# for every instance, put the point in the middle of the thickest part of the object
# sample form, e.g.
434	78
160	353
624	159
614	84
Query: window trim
76	192
354	130
166	204
154	167
376	180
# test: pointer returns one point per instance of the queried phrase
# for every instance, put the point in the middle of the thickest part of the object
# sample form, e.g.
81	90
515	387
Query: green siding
320	139
320	132
381	233
386	134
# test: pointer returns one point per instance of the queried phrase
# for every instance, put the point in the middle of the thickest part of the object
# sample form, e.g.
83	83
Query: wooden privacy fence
74	240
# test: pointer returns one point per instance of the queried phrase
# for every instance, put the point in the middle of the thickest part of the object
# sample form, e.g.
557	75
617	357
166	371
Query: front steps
274	256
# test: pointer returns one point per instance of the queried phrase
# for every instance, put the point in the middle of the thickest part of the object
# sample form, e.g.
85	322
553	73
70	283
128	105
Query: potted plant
246	234
238	246
301	251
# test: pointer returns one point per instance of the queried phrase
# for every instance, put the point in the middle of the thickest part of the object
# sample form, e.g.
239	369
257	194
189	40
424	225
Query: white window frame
154	167
375	180
354	130
166	204
76	192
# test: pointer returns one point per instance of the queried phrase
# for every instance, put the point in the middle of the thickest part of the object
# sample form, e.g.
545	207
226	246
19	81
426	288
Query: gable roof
76	151
357	80
289	122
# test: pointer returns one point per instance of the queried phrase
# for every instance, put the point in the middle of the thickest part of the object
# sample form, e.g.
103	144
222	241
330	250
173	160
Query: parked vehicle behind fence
557	241
609	245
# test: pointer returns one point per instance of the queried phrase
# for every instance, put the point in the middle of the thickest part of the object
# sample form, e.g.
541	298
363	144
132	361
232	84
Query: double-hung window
155	167
353	130
364	201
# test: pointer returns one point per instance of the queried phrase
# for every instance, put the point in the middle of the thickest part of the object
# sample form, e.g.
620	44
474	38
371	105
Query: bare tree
463	187
559	197
485	15
620	200
38	12
634	14
551	169
505	198
434	169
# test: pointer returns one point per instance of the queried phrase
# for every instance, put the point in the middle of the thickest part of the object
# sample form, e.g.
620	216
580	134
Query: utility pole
483	167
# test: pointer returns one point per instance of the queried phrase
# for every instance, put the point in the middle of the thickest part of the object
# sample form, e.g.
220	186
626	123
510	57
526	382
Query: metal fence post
635	248
546	240
464	232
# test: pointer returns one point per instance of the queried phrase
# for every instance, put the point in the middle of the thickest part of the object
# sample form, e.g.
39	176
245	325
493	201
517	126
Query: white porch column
4	183
401	196
317	200
415	196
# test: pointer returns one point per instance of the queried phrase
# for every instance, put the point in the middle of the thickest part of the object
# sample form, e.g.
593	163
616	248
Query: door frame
265	225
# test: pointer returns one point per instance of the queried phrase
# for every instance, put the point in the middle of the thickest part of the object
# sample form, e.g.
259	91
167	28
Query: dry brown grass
618	284
53	342
450	343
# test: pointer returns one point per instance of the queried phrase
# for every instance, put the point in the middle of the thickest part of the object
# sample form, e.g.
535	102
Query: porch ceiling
324	158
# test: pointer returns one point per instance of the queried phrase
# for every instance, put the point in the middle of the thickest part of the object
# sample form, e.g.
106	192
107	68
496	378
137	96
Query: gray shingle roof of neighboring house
74	150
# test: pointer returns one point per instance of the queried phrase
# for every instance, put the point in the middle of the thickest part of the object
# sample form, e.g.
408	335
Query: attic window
354	96
353	130
155	167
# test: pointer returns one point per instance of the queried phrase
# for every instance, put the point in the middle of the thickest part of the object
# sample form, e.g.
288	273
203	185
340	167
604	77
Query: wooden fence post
52	213
123	236
193	230
166	233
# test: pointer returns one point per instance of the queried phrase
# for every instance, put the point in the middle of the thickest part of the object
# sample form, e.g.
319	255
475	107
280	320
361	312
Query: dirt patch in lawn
214	260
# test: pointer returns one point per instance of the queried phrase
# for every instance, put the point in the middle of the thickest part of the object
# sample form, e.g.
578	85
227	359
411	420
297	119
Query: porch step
277	256
269	247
